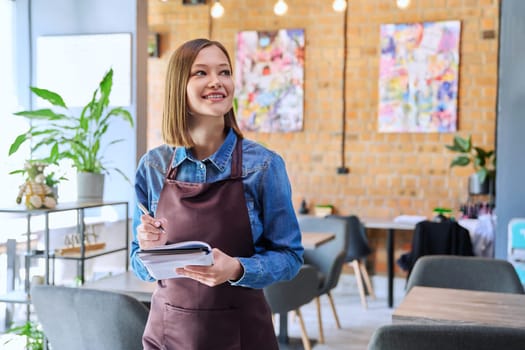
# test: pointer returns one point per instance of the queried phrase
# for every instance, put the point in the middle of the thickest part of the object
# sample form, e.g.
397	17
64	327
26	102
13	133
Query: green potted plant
78	138
33	333
483	162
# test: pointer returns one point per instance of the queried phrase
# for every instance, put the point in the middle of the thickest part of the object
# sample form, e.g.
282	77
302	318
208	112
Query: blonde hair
174	117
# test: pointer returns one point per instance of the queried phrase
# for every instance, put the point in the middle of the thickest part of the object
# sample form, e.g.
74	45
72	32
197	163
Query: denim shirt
275	230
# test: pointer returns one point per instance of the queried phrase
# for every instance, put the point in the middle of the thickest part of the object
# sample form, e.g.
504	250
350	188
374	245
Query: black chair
286	296
357	249
446	337
460	272
327	258
85	319
436	238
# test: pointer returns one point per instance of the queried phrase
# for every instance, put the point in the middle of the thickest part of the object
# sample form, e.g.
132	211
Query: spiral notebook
162	261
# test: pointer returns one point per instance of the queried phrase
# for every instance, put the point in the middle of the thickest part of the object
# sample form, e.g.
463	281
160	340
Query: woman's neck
208	137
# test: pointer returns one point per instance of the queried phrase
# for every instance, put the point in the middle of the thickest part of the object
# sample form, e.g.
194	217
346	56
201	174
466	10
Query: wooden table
454	306
390	226
126	283
312	240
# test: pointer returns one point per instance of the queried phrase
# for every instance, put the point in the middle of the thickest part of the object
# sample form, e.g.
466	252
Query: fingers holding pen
150	232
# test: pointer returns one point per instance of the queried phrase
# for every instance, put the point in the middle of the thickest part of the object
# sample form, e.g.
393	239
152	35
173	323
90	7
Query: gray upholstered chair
357	249
286	296
328	258
461	272
446	337
85	319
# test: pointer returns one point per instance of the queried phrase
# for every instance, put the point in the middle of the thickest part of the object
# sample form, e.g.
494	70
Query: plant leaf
460	161
20	139
482	175
464	144
454	148
123	113
45	113
50	96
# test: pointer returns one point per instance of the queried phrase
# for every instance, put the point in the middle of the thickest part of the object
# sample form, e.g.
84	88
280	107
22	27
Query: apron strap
171	173
236	171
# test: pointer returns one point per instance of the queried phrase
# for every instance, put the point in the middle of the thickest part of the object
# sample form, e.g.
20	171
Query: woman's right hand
150	233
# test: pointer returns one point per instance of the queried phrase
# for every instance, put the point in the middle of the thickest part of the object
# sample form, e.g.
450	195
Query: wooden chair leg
304	335
319	320
366	278
294	315
360	286
334	310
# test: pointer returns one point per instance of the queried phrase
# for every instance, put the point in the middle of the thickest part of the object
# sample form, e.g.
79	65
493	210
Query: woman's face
210	87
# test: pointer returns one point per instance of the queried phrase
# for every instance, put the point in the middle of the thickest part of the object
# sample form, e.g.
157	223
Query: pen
146	212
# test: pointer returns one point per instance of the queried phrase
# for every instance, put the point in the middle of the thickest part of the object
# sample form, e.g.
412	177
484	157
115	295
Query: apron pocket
201	329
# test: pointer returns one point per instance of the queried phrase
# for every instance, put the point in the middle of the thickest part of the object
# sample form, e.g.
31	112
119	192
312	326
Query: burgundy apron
189	315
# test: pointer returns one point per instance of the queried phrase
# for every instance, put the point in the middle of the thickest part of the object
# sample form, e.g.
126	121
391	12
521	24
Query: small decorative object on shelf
73	243
442	214
323	210
304	207
35	191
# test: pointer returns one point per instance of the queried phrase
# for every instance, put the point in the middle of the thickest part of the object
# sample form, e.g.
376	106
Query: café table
390	226
312	240
428	305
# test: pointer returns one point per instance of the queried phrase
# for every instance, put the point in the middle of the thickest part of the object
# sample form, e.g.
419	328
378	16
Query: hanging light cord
343	169
210	22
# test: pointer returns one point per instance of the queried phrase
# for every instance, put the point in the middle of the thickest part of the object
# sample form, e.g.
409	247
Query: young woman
208	183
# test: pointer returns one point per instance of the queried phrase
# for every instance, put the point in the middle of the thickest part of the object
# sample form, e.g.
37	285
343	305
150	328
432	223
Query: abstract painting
269	80
418	77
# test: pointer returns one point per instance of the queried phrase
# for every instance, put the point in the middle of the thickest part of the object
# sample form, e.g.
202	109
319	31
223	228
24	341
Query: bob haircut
175	115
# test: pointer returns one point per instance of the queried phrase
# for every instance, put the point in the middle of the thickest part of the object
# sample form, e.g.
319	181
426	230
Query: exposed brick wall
390	174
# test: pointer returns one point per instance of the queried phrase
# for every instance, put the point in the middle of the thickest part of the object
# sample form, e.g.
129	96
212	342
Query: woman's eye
226	72
199	73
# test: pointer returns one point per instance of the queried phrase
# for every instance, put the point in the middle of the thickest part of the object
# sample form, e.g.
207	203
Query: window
10	125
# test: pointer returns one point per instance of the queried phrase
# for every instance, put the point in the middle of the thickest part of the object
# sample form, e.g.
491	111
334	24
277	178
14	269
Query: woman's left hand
224	268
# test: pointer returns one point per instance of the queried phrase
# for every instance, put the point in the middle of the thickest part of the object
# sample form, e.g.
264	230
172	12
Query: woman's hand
224	268
150	233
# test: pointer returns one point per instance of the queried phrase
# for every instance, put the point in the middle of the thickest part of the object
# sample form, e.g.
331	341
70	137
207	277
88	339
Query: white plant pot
477	187
90	187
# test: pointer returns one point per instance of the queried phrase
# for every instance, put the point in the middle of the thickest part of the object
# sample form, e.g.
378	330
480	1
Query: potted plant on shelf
81	139
483	161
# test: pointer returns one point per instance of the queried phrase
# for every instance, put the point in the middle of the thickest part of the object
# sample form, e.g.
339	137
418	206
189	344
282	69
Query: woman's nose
215	82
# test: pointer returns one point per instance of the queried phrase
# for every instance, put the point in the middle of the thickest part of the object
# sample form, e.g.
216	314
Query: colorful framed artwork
269	80
418	77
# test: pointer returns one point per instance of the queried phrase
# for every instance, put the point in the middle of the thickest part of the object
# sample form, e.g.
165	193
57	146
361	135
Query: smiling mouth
214	97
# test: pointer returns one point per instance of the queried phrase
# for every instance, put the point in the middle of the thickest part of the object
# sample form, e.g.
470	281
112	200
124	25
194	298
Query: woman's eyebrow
207	65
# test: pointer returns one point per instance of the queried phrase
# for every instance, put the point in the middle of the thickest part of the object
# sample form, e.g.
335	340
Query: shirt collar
219	159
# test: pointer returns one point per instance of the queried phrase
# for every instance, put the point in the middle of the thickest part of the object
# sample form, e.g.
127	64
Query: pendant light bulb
339	5
403	4
217	10
280	8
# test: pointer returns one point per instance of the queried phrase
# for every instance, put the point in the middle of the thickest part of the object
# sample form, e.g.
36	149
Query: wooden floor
357	323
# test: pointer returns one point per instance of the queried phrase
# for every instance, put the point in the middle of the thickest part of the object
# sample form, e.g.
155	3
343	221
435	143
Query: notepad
162	261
